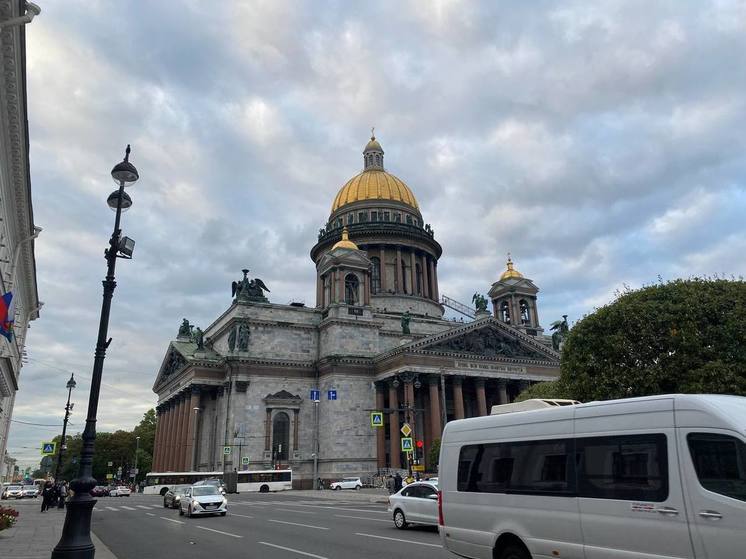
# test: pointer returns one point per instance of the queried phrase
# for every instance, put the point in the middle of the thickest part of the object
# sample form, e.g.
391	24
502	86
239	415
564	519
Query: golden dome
374	185
345	242
510	272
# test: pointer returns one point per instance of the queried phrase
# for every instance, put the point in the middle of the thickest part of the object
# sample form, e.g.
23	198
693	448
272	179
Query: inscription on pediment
486	343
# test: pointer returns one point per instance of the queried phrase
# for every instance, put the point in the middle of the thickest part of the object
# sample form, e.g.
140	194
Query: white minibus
643	478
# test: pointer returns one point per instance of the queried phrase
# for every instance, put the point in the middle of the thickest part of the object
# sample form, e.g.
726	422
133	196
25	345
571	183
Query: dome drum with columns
376	339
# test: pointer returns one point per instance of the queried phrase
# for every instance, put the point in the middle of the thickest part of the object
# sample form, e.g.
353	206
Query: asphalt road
262	526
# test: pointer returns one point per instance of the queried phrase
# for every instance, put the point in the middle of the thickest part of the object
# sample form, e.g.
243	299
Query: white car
347	483
203	499
417	503
13	492
120	491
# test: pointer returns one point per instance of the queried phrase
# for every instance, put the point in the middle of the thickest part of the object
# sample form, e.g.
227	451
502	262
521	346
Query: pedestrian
390	484
320	483
46	496
397	483
62	496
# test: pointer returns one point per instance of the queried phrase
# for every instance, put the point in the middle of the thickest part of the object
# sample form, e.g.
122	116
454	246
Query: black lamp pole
75	542
70	385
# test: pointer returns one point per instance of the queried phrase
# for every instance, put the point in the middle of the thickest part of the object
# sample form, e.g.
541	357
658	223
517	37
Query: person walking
397	483
390	485
47	494
62	496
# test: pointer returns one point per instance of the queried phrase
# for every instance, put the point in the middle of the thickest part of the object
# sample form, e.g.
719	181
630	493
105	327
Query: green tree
545	390
681	336
433	455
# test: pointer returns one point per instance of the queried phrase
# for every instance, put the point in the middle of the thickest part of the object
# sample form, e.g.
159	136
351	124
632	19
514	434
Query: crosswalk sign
406	444
376	419
47	449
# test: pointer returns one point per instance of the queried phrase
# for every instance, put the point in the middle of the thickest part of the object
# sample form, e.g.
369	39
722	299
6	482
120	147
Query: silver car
13	492
417	503
203	499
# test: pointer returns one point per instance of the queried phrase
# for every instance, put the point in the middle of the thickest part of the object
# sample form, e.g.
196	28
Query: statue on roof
199	338
405	319
185	330
480	303
246	290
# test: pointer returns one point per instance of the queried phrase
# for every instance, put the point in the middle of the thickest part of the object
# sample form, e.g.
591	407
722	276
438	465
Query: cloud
600	143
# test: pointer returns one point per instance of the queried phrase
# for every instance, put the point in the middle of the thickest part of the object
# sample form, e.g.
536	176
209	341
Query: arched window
280	437
351	289
403	277
378	159
525	312
375	275
418	275
505	312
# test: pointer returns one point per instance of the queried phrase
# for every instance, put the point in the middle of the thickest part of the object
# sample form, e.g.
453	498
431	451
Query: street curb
102	552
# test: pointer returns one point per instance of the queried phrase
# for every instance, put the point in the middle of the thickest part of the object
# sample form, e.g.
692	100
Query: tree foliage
682	336
433	455
545	390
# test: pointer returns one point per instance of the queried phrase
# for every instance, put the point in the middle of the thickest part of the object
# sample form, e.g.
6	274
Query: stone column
413	272
434	279
380	431
399	288
502	391
167	463
384	285
394	441
426	291
366	289
340	297
458	397
268	430
435	425
180	434
481	397
296	428
192	427
523	385
158	432
319	292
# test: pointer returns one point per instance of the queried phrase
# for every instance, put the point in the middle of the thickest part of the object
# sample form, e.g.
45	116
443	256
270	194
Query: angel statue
561	330
249	290
480	303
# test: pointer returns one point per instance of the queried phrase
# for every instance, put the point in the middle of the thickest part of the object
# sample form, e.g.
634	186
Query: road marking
398	540
171	520
219	532
149	514
341	508
127	508
142	507
361	518
241	515
296	524
298	511
112	508
298	551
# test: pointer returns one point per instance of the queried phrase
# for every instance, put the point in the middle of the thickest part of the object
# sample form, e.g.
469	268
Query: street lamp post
68	408
137	451
75	542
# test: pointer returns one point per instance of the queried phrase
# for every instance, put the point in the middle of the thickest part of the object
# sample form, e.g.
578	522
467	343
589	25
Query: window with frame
386	216
350	219
351	289
409	219
720	463
375	275
374	215
362	217
397	218
626	467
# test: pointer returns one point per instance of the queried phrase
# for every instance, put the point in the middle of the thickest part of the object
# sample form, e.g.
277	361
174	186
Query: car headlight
177	498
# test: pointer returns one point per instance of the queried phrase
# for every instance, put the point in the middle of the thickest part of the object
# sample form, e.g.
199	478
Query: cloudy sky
601	143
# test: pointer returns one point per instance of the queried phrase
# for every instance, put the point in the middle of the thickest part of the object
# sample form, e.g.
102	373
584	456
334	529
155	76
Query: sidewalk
35	533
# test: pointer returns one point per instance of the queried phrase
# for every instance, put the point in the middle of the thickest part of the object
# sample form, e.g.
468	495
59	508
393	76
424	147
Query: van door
630	496
713	465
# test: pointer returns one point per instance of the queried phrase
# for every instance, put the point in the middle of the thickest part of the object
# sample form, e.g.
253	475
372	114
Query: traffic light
420	444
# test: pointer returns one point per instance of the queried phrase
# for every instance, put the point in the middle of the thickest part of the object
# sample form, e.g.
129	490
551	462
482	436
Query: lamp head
125	171
71	383
113	198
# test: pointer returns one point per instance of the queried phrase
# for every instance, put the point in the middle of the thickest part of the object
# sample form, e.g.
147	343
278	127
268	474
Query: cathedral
328	391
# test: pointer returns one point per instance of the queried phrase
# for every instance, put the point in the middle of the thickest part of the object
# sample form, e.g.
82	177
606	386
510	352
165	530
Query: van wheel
401	522
514	551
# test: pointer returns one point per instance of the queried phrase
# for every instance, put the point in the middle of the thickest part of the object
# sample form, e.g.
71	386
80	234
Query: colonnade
174	433
419	400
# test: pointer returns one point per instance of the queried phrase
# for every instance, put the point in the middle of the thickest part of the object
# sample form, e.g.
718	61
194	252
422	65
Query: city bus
263	481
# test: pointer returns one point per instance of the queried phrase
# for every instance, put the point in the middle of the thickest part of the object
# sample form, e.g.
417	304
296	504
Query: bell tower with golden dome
382	218
514	300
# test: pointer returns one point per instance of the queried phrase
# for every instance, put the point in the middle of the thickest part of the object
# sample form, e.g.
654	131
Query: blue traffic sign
331	394
315	395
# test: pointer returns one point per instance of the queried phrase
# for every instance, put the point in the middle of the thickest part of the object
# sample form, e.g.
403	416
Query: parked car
417	503
218	483
203	499
30	492
13	492
120	491
173	496
100	491
347	483
656	477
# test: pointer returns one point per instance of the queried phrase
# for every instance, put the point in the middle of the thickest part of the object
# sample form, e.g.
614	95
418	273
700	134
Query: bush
8	517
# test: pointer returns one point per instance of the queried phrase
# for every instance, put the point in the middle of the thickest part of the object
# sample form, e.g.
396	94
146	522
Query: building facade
285	385
17	230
